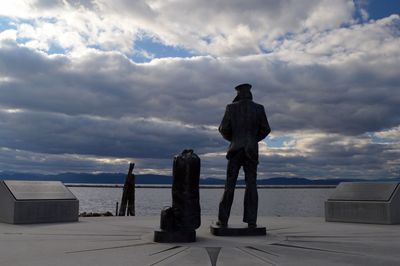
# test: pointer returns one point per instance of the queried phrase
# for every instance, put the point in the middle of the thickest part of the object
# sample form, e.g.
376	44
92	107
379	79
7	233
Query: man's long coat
244	124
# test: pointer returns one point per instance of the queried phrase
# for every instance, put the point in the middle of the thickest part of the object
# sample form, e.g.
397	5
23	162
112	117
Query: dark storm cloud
125	137
104	105
319	156
351	98
31	162
334	156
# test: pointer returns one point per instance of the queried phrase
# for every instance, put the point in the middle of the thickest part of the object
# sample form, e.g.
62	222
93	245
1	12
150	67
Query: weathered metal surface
25	202
365	202
364	191
38	190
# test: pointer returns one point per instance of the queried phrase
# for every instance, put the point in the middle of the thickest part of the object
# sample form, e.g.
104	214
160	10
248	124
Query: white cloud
390	135
329	14
8	35
219	28
371	41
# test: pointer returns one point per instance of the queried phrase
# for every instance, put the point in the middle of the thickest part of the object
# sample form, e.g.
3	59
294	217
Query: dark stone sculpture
178	223
244	124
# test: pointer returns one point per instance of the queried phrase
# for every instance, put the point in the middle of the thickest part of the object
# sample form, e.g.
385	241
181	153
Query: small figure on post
244	124
128	194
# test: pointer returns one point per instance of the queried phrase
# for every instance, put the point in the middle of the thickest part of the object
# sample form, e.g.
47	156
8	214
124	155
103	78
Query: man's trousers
250	197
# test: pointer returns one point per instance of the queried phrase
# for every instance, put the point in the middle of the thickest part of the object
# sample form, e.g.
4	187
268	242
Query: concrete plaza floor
128	241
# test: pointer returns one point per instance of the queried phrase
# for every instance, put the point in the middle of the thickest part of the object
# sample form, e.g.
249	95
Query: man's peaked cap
243	87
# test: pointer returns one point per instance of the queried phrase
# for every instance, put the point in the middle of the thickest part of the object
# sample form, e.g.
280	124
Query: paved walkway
128	241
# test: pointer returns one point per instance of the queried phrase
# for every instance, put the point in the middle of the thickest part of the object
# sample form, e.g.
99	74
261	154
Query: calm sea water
302	202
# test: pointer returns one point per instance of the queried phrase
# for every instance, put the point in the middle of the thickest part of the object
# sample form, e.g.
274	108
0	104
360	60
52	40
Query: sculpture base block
30	202
364	202
237	231
162	236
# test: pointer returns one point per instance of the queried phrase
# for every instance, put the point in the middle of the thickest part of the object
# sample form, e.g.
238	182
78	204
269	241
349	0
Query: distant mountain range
119	178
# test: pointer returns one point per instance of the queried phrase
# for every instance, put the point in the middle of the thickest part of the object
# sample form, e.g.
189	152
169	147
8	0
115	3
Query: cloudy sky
89	85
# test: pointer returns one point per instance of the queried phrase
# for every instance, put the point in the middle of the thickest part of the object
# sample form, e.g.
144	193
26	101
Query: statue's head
243	87
243	92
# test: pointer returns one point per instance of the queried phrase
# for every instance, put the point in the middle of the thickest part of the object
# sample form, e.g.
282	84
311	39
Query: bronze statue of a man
244	124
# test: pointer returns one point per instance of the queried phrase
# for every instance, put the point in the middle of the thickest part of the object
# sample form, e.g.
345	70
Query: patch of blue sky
277	142
23	40
265	50
360	10
15	21
287	36
49	20
6	23
378	9
375	139
147	48
94	46
53	48
378	140
56	49
11	23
